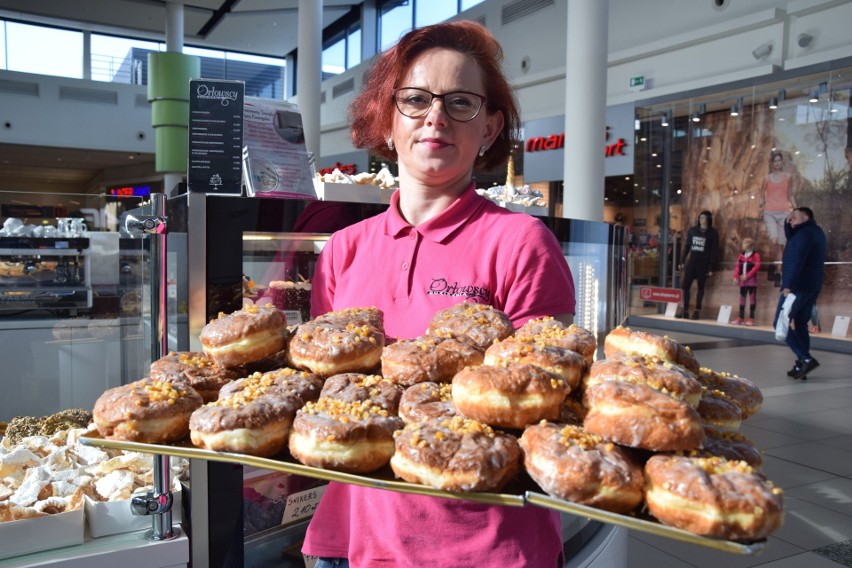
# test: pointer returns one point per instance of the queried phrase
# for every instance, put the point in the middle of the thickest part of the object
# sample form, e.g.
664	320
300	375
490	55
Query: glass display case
70	301
227	250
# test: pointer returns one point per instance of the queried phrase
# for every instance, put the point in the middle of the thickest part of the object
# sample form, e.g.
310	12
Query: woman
777	199
438	103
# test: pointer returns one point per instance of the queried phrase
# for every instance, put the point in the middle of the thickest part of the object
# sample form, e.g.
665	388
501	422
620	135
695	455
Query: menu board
275	156
215	136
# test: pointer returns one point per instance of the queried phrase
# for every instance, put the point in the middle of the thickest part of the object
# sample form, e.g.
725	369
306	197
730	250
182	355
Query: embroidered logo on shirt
441	287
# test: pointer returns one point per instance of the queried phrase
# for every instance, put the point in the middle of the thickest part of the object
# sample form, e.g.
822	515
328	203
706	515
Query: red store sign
654	294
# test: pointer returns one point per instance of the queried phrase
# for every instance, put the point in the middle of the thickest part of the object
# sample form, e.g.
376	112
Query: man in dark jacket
700	253
803	271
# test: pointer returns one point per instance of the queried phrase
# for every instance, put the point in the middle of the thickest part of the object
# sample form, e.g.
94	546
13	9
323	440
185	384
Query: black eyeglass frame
434	96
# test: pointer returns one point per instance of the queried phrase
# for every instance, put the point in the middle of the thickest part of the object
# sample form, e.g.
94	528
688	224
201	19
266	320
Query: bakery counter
129	550
519	493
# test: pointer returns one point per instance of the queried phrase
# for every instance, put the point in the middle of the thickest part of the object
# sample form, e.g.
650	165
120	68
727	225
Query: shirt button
405	266
412	235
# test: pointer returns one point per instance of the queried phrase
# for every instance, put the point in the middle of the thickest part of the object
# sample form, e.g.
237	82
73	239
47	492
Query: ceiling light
734	110
695	117
814	97
804	40
773	103
664	121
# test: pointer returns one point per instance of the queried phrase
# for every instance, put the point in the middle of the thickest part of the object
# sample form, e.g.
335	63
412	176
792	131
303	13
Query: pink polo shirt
473	251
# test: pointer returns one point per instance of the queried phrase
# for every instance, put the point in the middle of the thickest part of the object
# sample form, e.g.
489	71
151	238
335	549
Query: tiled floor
805	431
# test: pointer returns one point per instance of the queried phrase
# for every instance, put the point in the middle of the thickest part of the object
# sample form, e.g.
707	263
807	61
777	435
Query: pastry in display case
281	266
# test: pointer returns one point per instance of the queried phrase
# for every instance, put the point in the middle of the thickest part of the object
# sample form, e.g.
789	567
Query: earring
390	144
482	150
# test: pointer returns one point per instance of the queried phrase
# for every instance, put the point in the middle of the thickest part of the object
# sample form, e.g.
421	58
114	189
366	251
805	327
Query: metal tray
518	493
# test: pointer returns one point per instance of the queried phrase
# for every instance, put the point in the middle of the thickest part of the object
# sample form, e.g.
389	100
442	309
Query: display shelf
129	550
519	493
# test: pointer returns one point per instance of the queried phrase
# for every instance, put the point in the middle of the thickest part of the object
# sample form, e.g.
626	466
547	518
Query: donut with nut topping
150	411
253	415
244	336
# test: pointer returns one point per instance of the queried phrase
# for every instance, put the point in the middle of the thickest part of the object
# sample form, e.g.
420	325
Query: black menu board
215	136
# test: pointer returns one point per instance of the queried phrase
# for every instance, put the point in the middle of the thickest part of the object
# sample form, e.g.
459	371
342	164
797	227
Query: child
745	276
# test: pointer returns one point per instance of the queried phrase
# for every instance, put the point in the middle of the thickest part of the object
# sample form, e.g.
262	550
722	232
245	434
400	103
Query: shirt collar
442	225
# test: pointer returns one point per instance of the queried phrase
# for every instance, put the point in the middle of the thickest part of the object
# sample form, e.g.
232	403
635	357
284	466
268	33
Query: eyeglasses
459	105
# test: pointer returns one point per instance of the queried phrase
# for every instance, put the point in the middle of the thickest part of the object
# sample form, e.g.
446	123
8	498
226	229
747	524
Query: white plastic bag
783	323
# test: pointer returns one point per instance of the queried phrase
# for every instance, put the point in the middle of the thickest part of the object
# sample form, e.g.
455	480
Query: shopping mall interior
700	98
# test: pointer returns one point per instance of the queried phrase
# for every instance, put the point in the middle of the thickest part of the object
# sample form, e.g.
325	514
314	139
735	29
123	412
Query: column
168	92
309	74
585	109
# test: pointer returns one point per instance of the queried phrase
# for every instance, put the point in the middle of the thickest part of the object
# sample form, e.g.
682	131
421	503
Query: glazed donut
625	340
456	454
660	375
427	359
568	364
371	316
743	392
351	435
358	387
712	497
572	412
569	463
479	323
197	370
551	331
728	445
636	415
718	409
509	395
244	336
328	349
253	415
427	402
149	410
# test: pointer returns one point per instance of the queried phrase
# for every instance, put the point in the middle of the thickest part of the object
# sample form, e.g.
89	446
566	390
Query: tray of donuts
472	409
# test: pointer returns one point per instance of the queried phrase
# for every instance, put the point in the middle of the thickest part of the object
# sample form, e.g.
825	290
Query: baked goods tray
518	493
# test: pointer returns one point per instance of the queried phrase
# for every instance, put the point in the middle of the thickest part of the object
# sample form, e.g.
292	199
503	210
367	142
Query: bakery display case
69	313
225	251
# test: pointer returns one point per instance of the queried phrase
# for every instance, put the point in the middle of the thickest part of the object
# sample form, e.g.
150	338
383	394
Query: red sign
653	294
557	142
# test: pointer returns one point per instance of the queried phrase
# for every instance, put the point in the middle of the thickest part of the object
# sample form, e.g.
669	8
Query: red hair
371	112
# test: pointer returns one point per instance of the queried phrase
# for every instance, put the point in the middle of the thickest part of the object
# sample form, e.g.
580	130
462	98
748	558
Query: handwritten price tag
302	504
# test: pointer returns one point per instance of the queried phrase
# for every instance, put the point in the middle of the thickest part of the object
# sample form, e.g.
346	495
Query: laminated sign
275	158
215	136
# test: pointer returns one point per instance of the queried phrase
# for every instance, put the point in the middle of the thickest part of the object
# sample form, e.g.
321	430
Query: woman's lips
434	143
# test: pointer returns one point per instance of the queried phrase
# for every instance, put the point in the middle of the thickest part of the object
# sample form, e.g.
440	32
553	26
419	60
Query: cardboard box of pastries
41	533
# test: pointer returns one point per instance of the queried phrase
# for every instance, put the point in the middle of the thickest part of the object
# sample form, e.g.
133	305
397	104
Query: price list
215	136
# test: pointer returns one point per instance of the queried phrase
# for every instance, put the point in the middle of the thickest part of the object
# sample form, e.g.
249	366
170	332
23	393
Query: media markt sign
637	83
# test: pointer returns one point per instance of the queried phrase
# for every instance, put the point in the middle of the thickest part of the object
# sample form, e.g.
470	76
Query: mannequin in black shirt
700	253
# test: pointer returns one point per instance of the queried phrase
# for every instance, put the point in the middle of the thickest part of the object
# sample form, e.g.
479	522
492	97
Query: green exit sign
637	83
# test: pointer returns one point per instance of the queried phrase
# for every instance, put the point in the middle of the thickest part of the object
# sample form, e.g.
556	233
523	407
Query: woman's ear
493	128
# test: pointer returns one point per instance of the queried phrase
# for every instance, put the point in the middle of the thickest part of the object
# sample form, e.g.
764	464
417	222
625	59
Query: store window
748	155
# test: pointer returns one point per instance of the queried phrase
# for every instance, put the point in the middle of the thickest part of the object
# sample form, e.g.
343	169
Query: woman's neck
420	202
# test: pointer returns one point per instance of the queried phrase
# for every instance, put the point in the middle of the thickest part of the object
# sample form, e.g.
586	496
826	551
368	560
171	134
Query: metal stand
157	503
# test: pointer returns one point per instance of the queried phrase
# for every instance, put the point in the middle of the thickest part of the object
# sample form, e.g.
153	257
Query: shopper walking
439	104
745	276
700	253
802	274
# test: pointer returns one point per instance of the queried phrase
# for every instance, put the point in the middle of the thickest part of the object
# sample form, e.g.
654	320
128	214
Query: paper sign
724	314
841	326
302	504
671	309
